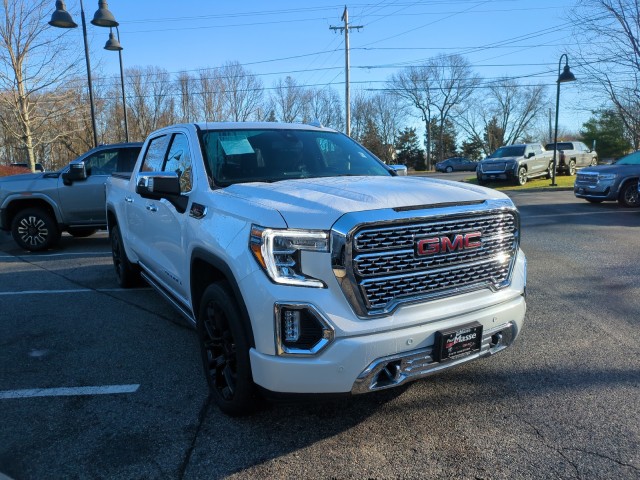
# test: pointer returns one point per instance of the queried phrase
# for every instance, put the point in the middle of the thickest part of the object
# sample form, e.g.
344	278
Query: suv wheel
225	351
35	230
127	273
522	176
629	195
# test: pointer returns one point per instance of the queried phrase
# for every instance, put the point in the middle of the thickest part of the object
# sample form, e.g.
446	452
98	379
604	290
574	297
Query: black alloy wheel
629	195
35	230
225	352
127	274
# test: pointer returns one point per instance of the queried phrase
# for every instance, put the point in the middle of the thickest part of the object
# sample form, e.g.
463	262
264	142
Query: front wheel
35	230
629	195
225	351
550	171
522	176
449	169
594	161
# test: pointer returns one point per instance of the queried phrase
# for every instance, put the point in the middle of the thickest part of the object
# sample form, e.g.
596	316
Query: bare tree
325	106
186	90
209	98
152	105
613	61
362	111
289	101
243	92
502	113
32	65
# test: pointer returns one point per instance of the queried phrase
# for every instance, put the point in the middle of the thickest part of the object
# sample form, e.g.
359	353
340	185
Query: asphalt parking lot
99	382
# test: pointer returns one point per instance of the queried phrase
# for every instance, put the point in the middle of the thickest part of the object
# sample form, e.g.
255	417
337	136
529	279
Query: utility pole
347	99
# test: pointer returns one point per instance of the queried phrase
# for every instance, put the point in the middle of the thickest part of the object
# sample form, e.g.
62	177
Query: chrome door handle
151	207
128	199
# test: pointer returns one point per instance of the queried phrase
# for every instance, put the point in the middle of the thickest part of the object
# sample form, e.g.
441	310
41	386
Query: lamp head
103	17
112	44
61	18
566	75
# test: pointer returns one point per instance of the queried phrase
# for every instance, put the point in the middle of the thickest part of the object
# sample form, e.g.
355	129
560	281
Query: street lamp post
565	76
113	44
102	18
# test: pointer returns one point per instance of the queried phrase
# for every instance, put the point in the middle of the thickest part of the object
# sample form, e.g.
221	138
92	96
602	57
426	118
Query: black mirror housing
159	185
76	173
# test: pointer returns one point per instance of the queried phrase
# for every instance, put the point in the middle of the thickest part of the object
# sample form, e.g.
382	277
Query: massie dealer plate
458	342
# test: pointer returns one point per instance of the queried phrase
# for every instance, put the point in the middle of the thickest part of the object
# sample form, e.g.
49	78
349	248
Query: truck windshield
271	155
512	151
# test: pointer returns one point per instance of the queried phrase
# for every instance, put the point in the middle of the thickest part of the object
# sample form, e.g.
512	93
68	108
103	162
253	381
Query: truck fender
14	203
207	268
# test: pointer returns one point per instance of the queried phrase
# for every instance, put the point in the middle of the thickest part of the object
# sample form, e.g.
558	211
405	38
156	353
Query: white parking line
68	391
77	290
46	255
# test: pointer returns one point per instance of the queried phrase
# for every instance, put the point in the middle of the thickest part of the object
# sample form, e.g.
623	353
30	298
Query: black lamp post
102	18
565	76
113	44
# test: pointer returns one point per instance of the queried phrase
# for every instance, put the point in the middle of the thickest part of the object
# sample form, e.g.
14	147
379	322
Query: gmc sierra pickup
38	207
516	163
308	266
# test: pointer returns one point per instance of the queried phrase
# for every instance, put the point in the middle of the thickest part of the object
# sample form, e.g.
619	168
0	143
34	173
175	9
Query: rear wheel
550	171
629	195
35	230
225	351
449	169
572	167
594	161
522	176
127	273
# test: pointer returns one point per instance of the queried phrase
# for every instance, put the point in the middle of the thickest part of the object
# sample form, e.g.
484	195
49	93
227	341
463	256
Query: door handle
151	207
128	199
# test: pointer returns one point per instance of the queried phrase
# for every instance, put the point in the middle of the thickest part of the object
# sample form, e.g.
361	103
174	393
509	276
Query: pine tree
408	150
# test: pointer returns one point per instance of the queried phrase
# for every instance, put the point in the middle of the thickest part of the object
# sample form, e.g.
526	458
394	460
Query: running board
177	304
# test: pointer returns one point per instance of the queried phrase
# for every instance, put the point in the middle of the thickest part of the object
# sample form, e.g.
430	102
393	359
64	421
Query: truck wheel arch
206	269
18	205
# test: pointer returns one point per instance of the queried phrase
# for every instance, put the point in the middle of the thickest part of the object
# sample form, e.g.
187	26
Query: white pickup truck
308	266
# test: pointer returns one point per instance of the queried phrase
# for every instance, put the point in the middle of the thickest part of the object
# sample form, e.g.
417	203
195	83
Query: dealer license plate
458	342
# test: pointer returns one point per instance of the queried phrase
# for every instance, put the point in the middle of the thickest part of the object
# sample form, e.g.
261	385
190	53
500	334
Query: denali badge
444	244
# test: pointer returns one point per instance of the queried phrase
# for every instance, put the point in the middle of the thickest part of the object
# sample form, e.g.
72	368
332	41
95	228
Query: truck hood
317	203
611	169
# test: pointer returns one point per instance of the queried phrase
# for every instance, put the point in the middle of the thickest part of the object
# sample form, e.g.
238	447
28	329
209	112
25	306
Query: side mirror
76	173
400	170
159	185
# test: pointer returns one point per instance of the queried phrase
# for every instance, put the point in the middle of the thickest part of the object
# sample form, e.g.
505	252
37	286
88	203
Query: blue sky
517	38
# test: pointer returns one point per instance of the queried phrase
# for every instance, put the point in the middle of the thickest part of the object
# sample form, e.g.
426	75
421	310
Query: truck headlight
278	252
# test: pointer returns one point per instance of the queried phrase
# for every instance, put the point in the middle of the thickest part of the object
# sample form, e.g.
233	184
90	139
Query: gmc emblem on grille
451	243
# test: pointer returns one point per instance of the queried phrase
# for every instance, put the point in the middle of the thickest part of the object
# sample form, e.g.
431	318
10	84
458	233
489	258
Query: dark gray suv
618	181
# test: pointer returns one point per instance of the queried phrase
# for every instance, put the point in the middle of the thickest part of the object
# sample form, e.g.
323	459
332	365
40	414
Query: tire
225	352
480	180
572	168
550	171
629	195
521	179
127	274
448	169
594	161
35	230
82	232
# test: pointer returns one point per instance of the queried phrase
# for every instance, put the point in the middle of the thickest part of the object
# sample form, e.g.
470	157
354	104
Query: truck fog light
300	330
291	326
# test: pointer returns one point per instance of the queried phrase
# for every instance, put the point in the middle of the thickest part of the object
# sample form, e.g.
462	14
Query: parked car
456	164
516	163
39	167
618	181
572	156
37	207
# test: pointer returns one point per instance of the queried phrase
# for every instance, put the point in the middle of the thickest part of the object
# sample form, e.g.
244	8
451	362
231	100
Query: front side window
154	158
102	163
271	155
179	161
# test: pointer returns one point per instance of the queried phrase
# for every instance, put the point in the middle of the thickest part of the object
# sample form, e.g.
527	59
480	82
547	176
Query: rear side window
179	161
127	159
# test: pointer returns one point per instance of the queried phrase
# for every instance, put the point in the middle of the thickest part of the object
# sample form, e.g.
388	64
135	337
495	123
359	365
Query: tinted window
127	159
102	163
154	158
511	151
271	155
561	146
179	161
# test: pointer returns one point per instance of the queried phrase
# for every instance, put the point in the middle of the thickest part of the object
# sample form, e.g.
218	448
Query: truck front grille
493	167
388	267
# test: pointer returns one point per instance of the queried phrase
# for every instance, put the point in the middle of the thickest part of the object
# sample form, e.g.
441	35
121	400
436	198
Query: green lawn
561	181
